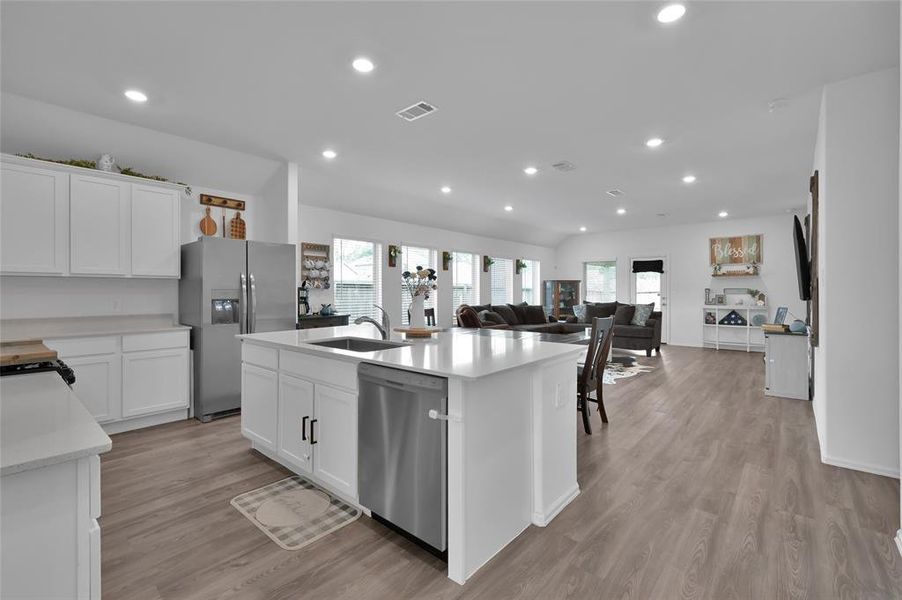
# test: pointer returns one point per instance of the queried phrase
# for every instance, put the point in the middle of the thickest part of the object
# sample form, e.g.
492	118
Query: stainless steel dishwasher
402	451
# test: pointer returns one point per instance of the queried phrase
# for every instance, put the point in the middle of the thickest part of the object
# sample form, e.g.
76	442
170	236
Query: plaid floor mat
334	517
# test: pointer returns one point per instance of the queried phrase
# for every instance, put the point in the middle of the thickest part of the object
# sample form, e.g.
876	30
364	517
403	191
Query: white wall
688	270
321	225
857	396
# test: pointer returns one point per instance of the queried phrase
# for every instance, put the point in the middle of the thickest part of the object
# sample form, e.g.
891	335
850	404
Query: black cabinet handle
312	439
304	428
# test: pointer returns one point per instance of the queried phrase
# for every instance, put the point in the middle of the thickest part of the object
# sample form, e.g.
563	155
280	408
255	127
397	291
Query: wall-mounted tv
803	266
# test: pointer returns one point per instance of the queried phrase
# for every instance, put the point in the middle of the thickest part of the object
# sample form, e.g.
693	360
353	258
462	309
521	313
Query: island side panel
494	450
554	439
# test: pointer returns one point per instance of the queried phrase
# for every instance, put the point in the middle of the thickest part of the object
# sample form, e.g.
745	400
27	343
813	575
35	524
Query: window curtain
648	266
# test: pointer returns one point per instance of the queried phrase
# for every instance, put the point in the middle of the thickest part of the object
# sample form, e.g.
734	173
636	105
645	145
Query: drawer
261	356
83	346
334	372
136	342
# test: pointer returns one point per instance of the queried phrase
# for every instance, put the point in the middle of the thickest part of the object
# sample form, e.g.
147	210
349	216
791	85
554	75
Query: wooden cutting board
208	224
24	351
238	227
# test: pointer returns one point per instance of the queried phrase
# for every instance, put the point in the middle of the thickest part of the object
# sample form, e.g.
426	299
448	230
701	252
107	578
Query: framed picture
736	250
781	315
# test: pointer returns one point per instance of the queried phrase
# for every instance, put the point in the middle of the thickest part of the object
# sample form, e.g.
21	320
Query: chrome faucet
384	327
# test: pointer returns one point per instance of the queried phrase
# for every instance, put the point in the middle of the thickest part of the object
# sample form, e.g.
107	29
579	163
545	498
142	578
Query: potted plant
447	257
487	262
393	253
521	264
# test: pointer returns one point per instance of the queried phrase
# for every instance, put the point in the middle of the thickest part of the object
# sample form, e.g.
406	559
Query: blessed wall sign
736	250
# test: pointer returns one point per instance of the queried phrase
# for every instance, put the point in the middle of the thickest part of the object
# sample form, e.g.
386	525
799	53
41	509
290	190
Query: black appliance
803	265
42	366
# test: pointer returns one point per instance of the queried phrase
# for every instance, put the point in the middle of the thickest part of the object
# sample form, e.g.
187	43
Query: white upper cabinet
34	220
62	220
155	231
99	226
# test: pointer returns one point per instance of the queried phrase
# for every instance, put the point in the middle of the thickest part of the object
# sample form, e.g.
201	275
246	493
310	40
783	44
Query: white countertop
63	327
457	352
42	423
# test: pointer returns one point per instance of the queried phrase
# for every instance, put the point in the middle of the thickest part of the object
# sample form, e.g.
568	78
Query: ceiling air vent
564	166
418	110
616	193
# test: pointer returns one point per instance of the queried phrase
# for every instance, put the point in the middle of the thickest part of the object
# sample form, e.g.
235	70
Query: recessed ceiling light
330	154
136	96
689	179
722	214
362	64
583	228
621	211
446	189
671	13
654	142
508	208
530	170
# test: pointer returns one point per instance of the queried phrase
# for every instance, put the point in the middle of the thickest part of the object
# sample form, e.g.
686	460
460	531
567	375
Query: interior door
648	287
273	304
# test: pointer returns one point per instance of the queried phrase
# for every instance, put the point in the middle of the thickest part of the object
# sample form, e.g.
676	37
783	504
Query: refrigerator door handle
253	305
242	307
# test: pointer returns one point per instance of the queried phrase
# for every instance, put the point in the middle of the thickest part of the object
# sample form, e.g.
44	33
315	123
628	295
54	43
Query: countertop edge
49	461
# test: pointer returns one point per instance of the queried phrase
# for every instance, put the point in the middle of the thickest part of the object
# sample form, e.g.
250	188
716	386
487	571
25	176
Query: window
464	279
503	281
356	275
601	281
411	258
531	282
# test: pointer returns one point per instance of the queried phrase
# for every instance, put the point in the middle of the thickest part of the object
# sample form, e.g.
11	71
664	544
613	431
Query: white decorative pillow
580	311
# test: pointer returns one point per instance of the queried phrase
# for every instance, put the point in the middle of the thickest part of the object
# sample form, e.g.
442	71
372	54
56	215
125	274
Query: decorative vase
417	311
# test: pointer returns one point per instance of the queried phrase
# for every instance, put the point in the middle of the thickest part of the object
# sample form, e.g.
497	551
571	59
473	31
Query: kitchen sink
357	344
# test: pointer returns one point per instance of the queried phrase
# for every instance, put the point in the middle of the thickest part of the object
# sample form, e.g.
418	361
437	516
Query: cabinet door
295	414
34	220
154	381
155	231
98	384
99	226
259	405
335	439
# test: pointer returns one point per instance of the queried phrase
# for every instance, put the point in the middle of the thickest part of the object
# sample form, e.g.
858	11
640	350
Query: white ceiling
515	83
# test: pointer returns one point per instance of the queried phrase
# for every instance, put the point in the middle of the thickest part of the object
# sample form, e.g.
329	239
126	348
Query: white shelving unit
747	336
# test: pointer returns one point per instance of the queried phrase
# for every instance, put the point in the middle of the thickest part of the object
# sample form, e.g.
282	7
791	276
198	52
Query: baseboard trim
557	506
131	424
858	466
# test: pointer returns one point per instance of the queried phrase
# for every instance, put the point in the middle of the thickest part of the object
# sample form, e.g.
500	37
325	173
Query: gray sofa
626	335
522	317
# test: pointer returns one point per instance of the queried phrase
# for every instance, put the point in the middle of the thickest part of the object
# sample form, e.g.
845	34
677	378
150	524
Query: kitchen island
511	434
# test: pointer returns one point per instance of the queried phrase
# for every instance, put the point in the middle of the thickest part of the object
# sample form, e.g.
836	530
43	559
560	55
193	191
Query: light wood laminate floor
700	487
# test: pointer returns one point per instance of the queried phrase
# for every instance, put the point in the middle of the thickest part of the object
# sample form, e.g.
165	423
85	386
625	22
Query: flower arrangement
420	282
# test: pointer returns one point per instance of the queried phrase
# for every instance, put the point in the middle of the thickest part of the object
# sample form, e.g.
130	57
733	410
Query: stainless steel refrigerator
230	287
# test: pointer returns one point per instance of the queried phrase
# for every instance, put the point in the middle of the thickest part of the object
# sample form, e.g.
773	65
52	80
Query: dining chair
591	374
430	316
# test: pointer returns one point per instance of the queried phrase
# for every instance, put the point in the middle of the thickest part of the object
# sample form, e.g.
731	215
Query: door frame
665	290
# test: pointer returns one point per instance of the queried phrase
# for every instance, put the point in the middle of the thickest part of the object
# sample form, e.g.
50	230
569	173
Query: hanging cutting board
238	227
208	224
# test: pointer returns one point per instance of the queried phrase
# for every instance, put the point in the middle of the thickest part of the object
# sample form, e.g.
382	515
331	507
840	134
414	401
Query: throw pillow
624	314
520	311
487	316
581	311
600	310
535	315
643	312
507	313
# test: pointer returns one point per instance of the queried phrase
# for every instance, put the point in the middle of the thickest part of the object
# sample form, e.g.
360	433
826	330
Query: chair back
430	317
599	349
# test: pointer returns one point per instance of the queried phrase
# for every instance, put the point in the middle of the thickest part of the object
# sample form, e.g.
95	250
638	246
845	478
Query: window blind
464	279
411	258
356	277
502	281
601	281
531	281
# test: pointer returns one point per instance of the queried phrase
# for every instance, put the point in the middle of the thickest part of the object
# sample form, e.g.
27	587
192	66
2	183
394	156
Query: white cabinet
98	384
34	220
786	365
259	405
99	226
295	416
154	381
334	433
155	231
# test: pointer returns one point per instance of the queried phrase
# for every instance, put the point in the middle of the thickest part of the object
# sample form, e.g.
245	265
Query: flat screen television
803	266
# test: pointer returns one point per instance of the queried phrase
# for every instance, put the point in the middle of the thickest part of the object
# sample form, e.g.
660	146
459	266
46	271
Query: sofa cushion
600	310
642	314
507	313
520	312
535	315
487	316
624	314
480	307
633	331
